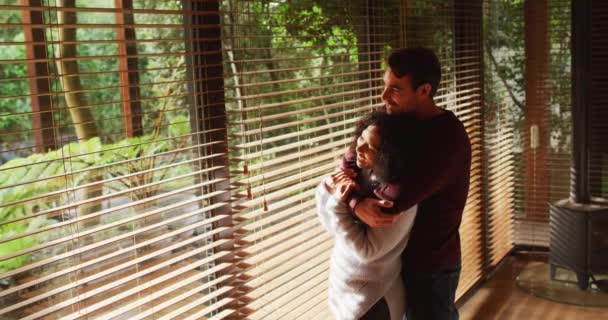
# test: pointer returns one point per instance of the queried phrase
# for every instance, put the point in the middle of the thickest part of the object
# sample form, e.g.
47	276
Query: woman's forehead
371	134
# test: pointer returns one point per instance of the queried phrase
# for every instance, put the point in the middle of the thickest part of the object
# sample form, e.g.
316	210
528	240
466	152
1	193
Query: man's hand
369	211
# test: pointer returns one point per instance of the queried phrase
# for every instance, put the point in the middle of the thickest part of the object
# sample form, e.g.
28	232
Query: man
438	183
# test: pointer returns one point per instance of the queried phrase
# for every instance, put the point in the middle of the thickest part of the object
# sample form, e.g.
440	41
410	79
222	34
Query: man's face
398	95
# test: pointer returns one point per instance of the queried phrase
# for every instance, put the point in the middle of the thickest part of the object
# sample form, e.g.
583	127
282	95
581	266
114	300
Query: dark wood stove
579	239
579	225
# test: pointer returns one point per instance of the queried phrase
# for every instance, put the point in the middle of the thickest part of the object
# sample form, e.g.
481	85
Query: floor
500	298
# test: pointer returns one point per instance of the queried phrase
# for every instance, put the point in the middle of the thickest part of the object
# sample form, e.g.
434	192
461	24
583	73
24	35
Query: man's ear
425	89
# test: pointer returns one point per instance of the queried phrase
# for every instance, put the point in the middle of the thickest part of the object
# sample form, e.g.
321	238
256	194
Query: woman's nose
359	148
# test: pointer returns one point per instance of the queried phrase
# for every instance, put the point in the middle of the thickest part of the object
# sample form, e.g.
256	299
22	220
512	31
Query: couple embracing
395	205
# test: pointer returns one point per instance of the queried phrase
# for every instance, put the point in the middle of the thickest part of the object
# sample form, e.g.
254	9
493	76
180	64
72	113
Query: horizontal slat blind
113	162
500	124
298	76
528	120
116	201
453	30
544	172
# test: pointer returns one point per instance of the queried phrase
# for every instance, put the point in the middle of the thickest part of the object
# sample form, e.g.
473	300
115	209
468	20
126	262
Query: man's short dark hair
421	64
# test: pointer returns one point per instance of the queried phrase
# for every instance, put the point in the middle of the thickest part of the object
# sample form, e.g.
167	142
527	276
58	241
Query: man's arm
438	164
369	210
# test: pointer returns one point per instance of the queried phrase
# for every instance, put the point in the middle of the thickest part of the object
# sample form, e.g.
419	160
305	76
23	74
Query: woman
365	272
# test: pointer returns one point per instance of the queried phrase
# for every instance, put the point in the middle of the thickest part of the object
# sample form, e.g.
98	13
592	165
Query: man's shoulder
445	138
446	119
446	126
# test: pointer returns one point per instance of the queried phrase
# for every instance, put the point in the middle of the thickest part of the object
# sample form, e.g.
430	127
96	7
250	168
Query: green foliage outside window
56	174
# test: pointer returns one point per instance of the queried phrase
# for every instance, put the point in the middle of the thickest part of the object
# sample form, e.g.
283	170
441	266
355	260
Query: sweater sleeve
444	155
327	218
349	161
367	244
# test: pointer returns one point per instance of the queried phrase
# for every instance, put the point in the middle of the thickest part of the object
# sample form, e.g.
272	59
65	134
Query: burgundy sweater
439	183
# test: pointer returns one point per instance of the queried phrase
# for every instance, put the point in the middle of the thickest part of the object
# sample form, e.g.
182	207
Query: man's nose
384	95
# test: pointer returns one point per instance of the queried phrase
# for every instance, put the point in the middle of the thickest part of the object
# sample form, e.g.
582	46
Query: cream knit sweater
365	262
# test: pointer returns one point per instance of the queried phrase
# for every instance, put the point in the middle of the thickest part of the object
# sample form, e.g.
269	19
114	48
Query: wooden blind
544	172
528	94
453	30
501	102
286	131
159	157
298	76
113	171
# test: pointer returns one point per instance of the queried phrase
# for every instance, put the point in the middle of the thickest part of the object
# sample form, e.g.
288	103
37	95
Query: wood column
537	113
128	70
39	79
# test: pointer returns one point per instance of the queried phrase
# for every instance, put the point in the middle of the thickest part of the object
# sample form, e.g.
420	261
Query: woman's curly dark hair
398	143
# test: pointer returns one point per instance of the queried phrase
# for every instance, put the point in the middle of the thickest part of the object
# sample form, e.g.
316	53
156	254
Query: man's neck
428	111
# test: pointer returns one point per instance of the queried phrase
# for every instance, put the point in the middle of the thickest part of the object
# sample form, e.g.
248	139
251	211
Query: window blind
269	258
529	100
159	157
113	171
502	51
298	76
453	30
545	154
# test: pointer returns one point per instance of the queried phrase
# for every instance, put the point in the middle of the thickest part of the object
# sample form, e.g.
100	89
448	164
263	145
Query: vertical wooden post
128	73
38	74
588	26
206	84
208	109
582	85
537	125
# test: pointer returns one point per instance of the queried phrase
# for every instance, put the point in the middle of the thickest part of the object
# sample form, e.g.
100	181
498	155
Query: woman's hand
340	183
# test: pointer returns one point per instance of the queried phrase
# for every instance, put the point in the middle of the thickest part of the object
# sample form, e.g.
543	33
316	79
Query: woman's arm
367	244
338	185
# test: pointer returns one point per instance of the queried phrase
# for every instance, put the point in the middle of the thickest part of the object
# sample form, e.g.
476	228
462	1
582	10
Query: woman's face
367	145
